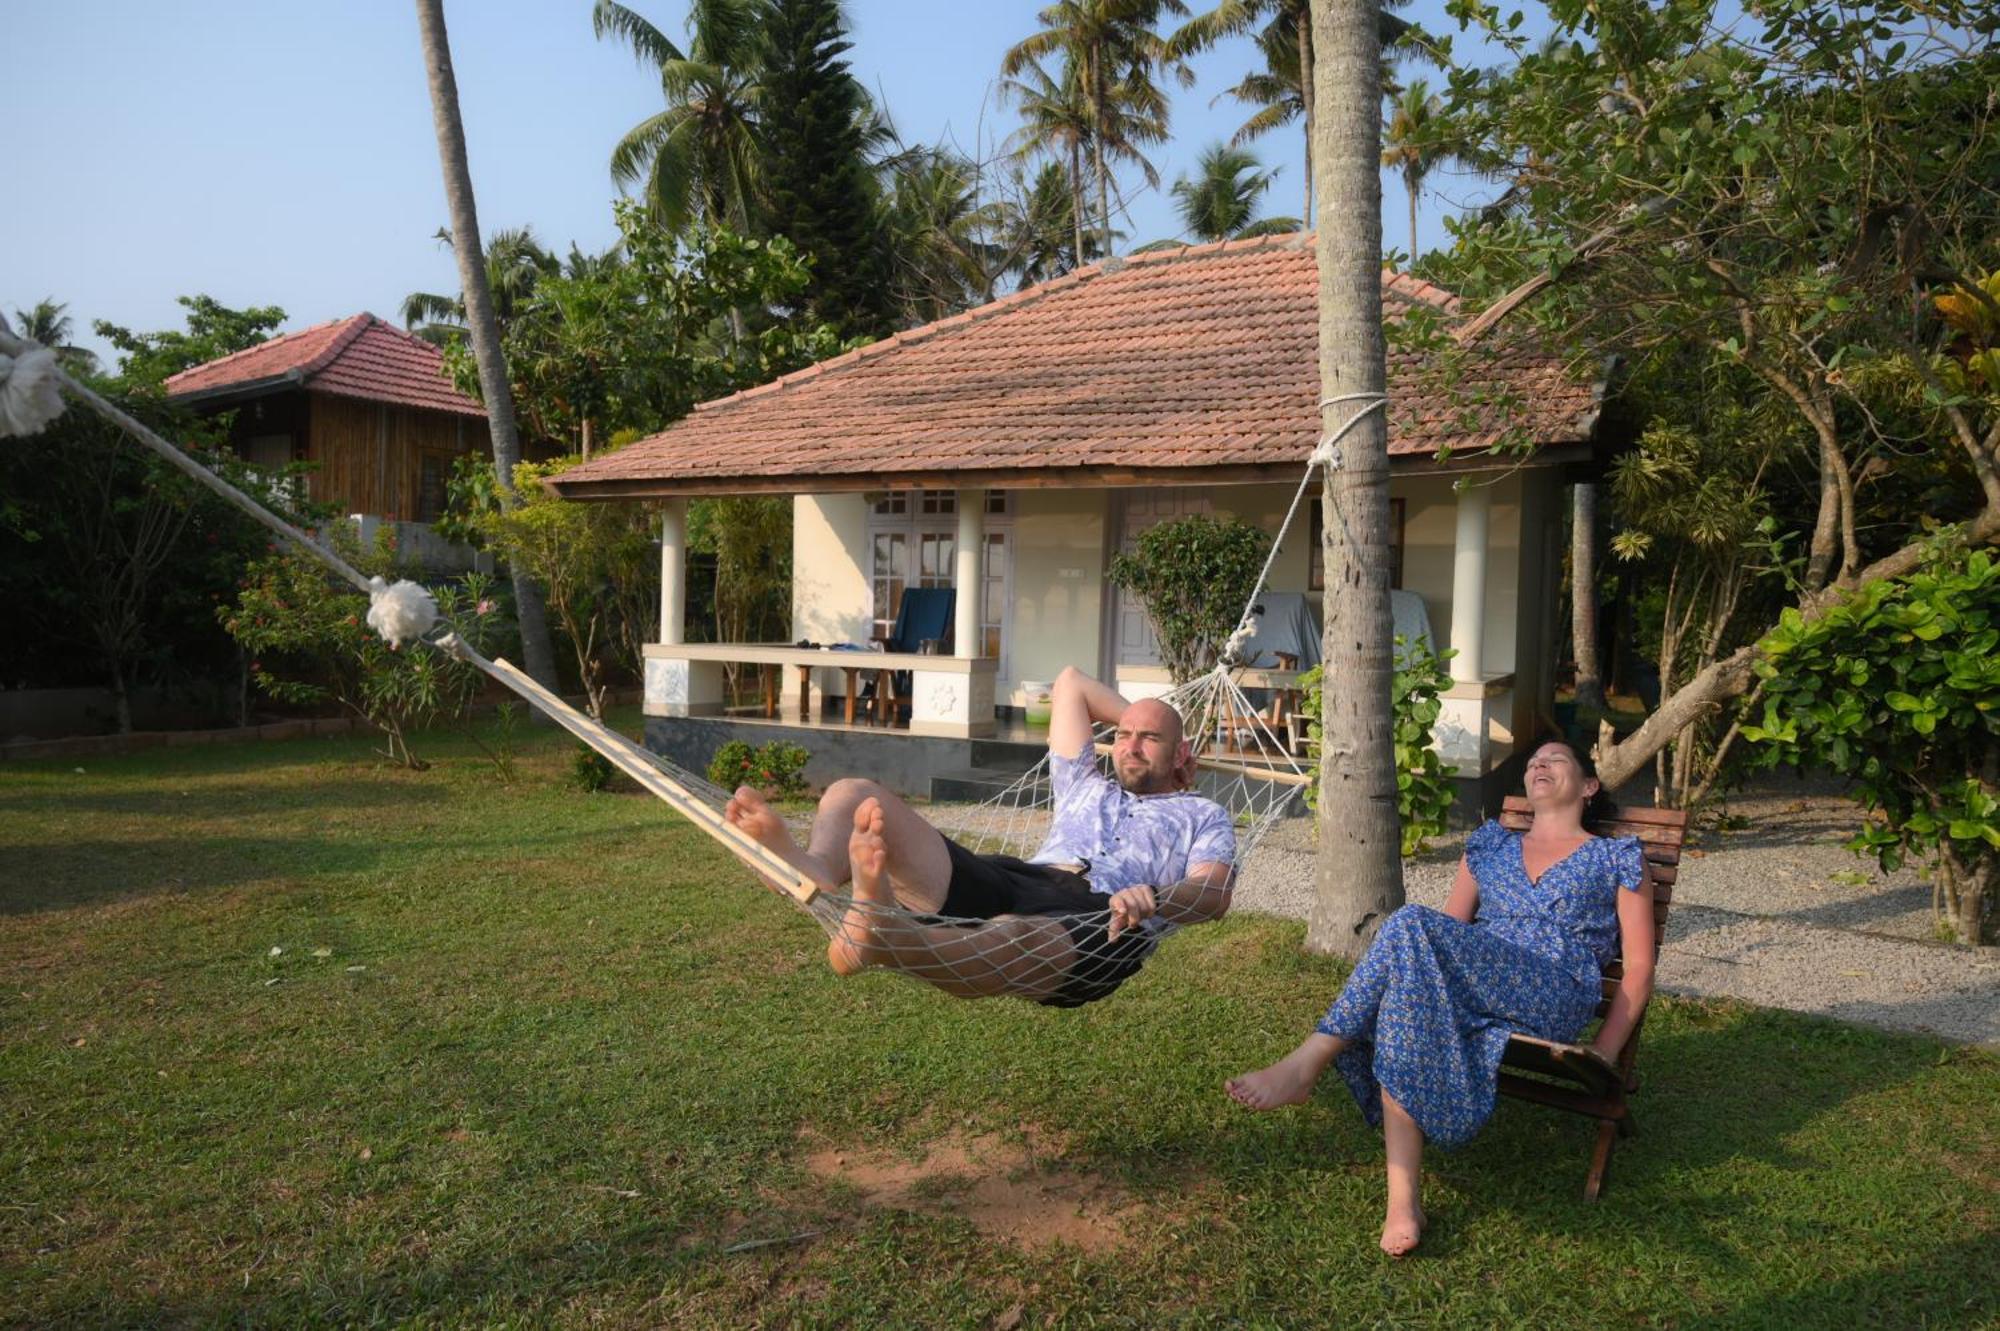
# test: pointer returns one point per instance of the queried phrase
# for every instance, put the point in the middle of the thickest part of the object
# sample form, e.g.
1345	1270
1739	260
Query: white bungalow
1010	451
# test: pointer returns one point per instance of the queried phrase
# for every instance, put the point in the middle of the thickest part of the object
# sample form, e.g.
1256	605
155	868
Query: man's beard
1147	782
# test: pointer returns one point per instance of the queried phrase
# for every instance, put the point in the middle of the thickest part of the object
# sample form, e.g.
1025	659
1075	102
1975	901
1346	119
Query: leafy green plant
1424	789
589	558
1898	689
589	770
310	643
1193	575
776	768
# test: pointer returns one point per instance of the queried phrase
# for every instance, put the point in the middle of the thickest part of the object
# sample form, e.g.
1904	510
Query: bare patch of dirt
1006	1189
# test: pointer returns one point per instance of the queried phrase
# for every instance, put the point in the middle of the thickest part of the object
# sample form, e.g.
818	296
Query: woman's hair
1599	807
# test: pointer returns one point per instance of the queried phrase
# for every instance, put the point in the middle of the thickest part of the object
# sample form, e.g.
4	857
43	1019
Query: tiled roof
1203	357
359	357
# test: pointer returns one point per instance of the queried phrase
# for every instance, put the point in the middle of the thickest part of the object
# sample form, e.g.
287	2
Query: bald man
1064	927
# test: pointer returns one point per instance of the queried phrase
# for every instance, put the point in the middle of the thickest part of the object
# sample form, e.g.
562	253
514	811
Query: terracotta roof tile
1195	357
359	357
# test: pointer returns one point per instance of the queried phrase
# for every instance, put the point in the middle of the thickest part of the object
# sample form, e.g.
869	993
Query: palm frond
651	46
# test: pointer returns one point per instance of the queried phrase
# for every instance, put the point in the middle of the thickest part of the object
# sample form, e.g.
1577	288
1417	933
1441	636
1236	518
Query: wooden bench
1531	1068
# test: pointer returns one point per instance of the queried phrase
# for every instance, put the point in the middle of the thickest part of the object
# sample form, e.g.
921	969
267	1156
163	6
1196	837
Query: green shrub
1424	789
589	771
1194	575
310	643
777	768
1898	689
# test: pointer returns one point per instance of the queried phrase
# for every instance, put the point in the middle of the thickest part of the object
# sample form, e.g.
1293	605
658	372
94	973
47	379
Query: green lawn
534	1057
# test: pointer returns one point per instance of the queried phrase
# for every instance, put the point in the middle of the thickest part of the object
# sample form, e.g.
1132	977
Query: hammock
1241	763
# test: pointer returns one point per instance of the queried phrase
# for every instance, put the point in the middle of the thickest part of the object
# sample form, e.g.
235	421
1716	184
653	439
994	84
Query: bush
1194	575
589	770
310	643
776	768
1424	790
1896	689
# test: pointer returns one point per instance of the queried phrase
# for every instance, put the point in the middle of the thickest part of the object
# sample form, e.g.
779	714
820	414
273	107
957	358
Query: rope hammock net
1241	763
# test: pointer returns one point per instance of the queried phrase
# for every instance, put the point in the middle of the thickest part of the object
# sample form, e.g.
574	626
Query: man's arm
1076	704
1196	899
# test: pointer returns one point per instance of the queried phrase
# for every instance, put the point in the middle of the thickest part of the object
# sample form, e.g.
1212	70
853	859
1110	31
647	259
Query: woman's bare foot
1289	1081
1402	1230
854	948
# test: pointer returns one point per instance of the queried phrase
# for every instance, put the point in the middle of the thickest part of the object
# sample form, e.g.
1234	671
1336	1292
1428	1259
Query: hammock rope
1242	764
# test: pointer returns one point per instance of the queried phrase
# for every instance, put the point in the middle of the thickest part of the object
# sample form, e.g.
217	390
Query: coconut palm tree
1057	122
47	325
1111	48
940	238
1220	199
698	158
1358	877
482	328
1282	90
1404	148
515	262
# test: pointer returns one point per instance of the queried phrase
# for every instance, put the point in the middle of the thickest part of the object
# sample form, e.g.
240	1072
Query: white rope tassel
1232	651
402	613
30	390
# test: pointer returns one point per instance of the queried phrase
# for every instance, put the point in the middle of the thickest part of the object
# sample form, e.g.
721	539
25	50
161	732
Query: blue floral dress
1428	1010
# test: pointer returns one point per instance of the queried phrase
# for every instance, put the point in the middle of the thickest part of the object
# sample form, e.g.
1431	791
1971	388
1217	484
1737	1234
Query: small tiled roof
1168	367
360	357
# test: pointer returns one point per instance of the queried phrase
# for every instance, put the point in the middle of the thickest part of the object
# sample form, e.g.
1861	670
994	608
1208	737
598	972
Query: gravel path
1777	914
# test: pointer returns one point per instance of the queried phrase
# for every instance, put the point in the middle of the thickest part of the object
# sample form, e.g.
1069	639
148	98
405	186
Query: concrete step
972	785
1018	755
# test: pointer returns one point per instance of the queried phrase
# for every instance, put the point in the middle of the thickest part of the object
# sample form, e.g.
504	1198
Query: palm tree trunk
482	328
1097	150
1306	102
1583	599
1359	878
1077	200
1412	182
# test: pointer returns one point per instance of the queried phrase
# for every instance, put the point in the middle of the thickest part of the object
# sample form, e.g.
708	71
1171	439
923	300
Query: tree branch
1730	677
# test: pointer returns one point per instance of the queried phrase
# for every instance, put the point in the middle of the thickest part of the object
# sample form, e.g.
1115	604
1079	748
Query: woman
1419	1028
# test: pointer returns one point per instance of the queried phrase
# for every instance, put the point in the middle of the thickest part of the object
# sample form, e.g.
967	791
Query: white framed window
913	542
889	574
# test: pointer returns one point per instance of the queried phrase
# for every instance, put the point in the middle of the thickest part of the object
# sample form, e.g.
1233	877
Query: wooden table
953	695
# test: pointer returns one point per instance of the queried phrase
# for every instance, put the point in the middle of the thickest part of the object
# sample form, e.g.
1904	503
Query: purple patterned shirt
1125	840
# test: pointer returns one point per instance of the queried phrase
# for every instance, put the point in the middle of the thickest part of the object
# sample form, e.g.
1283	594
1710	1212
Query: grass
289	1037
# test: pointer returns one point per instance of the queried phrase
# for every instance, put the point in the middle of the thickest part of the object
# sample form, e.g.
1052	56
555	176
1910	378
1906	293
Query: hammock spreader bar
628	758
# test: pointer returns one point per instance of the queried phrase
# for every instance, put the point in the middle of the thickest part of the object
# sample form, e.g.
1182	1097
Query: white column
673	571
970	573
1468	582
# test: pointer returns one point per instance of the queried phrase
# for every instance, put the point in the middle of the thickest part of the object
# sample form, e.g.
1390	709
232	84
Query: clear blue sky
282	153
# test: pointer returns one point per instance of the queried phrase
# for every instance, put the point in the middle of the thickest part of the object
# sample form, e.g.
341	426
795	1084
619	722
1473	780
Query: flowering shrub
776	768
309	641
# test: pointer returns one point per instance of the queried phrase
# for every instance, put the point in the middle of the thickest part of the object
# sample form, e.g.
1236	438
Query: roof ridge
331	352
1286	240
259	346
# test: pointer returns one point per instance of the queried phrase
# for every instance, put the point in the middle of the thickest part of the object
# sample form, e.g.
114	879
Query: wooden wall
371	457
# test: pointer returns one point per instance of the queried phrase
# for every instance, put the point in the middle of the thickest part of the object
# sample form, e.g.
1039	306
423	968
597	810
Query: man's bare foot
1402	1230
854	948
749	812
1289	1081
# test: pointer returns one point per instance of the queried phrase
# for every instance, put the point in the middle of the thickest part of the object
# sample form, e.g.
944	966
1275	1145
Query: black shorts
985	886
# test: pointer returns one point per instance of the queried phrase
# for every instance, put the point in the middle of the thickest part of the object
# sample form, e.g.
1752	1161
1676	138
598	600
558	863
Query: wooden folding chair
1531	1069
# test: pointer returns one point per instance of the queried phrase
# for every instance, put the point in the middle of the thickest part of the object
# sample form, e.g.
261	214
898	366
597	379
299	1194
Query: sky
274	152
